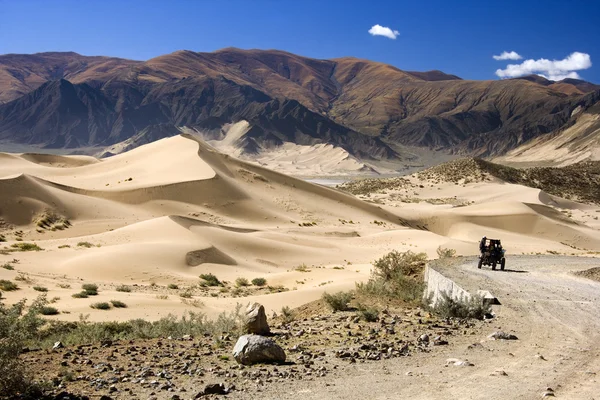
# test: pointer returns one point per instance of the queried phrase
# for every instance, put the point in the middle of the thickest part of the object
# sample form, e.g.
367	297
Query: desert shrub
123	288
8	286
338	301
64	246
186	294
162	296
16	329
2	238
448	307
64	286
48	310
100	305
302	268
443	252
118	304
172	286
85	244
369	314
211	280
396	275
288	314
239	282
81	295
90	289
26	247
40	289
23	278
8	267
394	263
259	281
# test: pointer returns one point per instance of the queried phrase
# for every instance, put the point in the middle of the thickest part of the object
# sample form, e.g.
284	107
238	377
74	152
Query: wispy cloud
378	30
555	70
508	55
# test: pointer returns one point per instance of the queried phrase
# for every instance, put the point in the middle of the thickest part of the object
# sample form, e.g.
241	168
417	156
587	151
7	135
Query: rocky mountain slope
370	109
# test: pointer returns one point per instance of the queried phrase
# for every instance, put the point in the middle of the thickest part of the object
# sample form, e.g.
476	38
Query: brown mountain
369	108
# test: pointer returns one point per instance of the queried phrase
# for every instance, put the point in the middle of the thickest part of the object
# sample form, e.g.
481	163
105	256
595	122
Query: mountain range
370	109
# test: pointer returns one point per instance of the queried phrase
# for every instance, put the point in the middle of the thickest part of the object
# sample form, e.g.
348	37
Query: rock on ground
256	320
502	336
253	349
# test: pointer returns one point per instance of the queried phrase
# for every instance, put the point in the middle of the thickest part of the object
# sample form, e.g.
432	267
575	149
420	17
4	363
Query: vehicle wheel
480	263
494	266
502	263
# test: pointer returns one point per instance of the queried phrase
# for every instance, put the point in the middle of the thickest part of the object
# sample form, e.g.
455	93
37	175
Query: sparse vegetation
64	286
287	314
100	306
396	275
90	289
369	314
241	282
172	286
259	282
24	246
118	304
21	277
7	285
210	280
85	244
64	246
443	252
463	308
186	294
81	295
162	296
48	310
123	288
40	289
338	301
302	268
8	267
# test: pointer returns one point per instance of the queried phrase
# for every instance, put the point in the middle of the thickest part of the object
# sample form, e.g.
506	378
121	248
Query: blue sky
457	37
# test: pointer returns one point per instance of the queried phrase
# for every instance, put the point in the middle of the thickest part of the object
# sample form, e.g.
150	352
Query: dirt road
554	314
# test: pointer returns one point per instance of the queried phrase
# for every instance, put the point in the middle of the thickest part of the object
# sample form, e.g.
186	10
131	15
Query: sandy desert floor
165	213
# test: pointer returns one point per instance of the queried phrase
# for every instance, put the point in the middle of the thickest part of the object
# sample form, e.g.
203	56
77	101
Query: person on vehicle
482	247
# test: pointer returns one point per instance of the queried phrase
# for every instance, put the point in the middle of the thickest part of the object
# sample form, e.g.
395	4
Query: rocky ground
320	345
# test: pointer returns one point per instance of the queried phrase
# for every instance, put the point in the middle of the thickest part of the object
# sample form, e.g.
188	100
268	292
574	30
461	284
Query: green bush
288	314
259	282
48	310
445	253
8	286
26	247
40	289
464	308
118	304
240	282
8	267
396	275
211	280
90	289
81	295
172	286
123	288
338	301
100	306
369	314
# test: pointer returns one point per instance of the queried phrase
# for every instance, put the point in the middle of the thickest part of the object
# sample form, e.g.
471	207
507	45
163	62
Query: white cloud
555	70
378	30
513	55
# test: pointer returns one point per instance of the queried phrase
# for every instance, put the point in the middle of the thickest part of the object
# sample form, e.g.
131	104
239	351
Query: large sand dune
171	210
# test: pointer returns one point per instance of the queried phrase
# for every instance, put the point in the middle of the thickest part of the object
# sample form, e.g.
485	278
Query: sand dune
190	210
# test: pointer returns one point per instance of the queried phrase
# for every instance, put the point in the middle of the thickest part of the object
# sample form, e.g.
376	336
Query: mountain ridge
371	109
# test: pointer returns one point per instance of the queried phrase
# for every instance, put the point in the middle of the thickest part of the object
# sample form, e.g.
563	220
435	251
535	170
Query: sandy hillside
155	218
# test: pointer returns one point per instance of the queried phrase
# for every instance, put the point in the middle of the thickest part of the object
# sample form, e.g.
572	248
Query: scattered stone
57	345
424	338
458	362
252	349
540	357
498	372
256	320
548	393
500	335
